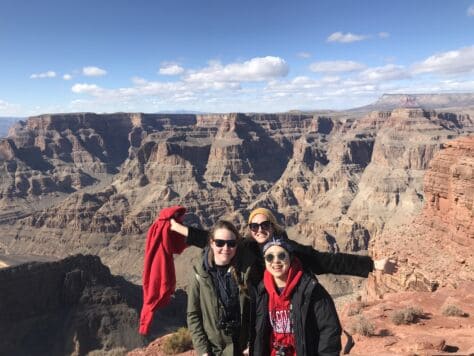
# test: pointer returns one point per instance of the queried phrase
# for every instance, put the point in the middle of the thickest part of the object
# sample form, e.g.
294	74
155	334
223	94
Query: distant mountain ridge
425	101
6	123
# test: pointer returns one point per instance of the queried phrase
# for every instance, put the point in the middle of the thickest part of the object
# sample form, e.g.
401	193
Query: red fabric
159	278
279	308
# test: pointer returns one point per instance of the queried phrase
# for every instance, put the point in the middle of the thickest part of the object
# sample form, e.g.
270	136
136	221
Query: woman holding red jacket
263	226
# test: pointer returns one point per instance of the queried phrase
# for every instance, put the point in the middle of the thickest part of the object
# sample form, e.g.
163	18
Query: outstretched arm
335	263
341	263
194	236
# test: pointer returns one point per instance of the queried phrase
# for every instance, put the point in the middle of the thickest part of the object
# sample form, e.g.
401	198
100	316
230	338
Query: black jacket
317	328
315	261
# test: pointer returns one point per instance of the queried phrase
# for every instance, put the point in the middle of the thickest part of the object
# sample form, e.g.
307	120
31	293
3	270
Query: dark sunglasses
265	225
282	256
229	243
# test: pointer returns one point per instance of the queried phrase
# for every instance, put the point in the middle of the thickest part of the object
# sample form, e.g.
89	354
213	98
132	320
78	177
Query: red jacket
159	278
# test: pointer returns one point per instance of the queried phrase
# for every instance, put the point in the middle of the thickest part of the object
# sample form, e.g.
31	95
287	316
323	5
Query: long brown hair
224	224
227	225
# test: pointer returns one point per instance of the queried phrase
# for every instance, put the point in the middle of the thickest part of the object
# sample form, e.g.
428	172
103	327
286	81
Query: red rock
437	248
430	336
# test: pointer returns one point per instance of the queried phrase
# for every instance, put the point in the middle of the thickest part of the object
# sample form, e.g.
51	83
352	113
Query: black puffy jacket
317	328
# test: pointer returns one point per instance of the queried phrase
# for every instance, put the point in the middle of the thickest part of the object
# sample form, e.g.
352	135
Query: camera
281	350
229	326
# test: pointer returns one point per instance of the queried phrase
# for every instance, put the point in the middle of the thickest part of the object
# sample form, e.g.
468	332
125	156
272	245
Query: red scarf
159	279
279	308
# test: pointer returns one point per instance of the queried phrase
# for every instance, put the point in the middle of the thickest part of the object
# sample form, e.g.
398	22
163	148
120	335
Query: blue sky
226	56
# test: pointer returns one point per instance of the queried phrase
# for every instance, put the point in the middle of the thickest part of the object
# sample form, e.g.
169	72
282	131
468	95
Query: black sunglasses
265	225
282	256
229	243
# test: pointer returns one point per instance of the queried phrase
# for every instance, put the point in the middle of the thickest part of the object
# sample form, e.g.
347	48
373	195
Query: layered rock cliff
88	183
71	307
437	248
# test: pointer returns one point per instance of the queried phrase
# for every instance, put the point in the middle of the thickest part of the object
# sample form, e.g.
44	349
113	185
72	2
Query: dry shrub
407	315
355	309
119	351
453	310
178	342
362	326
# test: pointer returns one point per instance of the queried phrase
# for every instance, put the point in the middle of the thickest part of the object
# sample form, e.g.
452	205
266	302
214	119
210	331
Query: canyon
394	179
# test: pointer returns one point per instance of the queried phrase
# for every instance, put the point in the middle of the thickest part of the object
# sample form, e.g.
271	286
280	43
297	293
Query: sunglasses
282	256
265	225
229	243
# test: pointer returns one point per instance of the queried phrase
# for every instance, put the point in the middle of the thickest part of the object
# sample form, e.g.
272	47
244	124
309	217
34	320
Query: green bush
178	342
453	310
406	316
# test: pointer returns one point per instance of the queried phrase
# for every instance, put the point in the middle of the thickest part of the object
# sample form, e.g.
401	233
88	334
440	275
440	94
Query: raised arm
335	263
194	236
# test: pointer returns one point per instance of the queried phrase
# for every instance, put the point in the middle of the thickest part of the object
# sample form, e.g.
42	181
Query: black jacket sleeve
328	324
197	237
335	263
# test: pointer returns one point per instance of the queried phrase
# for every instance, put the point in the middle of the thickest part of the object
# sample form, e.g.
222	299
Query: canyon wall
88	183
437	248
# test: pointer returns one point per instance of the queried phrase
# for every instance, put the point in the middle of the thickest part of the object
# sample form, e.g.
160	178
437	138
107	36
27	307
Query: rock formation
71	307
435	331
426	101
88	183
437	248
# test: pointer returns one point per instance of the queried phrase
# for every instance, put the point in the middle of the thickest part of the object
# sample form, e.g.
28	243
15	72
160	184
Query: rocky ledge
437	248
73	306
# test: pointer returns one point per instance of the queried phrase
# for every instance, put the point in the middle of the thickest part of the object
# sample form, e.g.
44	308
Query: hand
386	265
179	228
206	354
246	352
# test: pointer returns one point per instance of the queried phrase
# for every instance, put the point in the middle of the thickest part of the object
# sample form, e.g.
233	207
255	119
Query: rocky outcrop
96	182
437	248
449	191
72	307
433	331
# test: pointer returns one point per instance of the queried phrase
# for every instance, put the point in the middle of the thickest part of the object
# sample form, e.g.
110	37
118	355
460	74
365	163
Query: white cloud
171	69
470	11
304	55
336	66
451	62
253	70
93	71
384	34
4	105
67	76
260	84
385	73
48	74
7	109
83	88
345	37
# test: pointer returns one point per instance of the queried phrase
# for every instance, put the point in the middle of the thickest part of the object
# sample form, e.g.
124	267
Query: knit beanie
278	242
